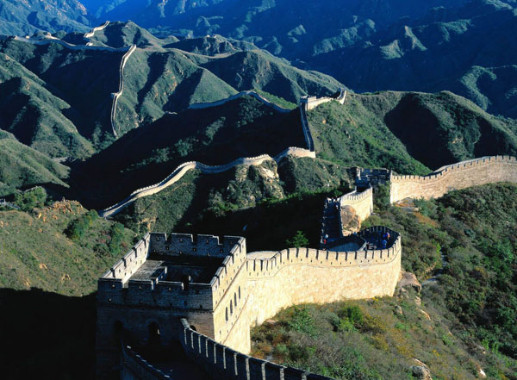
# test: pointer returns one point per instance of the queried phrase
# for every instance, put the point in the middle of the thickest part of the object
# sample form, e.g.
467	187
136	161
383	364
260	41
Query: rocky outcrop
421	371
408	279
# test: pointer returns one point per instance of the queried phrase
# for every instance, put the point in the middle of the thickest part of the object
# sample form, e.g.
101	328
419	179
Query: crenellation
146	287
454	177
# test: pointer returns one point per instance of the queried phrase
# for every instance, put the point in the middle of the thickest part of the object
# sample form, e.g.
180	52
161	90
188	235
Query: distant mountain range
57	93
464	46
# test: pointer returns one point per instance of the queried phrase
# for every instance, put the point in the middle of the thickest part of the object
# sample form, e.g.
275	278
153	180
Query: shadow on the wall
46	335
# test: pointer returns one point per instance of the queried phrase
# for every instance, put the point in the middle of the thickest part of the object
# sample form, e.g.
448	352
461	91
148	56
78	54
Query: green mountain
120	34
75	76
385	128
468	50
22	166
35	116
406	132
368	45
58	94
30	16
156	78
244	127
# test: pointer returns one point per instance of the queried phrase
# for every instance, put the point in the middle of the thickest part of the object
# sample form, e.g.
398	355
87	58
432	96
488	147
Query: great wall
203	293
222	292
117	94
183	168
457	176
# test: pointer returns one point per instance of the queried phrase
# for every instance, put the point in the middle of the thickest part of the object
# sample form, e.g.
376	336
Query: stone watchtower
161	280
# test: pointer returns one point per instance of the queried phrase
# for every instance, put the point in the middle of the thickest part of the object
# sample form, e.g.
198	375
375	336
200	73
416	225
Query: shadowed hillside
393	129
244	127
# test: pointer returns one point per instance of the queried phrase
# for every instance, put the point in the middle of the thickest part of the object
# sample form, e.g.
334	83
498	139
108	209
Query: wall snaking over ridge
182	169
461	175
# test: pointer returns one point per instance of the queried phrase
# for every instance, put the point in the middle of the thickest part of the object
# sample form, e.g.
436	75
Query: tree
298	240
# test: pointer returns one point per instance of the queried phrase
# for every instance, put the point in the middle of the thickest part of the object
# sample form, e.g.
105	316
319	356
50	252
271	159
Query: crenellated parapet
222	362
261	268
457	176
222	291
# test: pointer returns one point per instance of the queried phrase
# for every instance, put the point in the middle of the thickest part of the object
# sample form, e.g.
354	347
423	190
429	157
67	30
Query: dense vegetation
55	131
468	306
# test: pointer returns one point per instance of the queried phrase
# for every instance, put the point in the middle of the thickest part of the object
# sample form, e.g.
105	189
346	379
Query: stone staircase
330	225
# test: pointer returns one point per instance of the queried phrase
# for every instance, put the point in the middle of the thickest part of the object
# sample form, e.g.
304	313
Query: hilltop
244	127
464	46
74	78
30	16
377	130
382	129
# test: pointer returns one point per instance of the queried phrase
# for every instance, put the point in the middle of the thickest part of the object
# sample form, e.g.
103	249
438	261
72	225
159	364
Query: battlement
222	362
355	196
181	271
196	245
268	267
460	175
130	262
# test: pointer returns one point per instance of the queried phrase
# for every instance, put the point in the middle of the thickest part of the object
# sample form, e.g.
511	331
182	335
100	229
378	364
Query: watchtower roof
196	269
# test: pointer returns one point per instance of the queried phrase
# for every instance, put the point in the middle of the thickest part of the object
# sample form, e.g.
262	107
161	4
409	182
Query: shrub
298	240
31	199
79	226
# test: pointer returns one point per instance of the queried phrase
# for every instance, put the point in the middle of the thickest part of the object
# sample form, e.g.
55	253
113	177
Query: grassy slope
36	251
160	82
119	34
394	129
259	69
162	79
444	128
84	79
21	166
355	134
472	309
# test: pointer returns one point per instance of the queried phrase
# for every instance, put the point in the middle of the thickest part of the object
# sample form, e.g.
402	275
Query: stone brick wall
224	363
301	275
454	177
361	202
312	102
244	292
